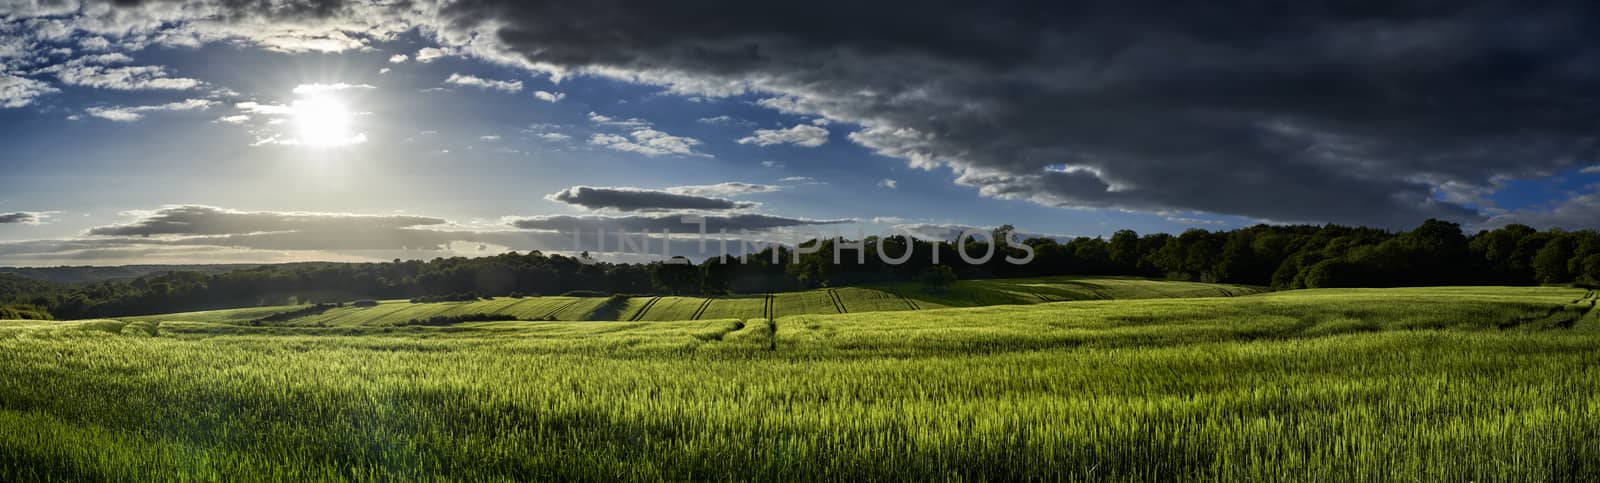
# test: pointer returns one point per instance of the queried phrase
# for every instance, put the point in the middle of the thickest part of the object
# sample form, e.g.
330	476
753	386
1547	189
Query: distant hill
88	274
13	285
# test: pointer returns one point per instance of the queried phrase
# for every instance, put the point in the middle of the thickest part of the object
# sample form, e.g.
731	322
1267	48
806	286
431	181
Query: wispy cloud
800	135
98	71
730	188
134	113
21	91
180	220
430	54
641	137
482	83
649	142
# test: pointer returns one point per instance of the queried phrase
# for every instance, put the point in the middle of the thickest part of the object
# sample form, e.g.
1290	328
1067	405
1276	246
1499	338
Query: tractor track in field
838	304
738	325
772	322
1549	317
909	303
701	311
769	308
563	307
645	309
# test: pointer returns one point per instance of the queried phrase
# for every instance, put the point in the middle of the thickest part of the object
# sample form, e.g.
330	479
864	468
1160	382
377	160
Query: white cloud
554	136
21	91
730	188
611	121
134	113
94	44
489	137
314	89
398	59
127	78
95	71
800	135
772	164
1190	221
724	119
649	142
297	41
1591	170
550	96
384	70
430	54
889	183
482	83
265	109
235	119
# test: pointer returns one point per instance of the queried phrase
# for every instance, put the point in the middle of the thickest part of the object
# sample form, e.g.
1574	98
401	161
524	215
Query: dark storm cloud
208	220
19	217
1367	112
589	225
639	199
1315	111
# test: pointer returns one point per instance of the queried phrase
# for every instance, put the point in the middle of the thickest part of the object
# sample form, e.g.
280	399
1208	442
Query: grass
1458	384
892	297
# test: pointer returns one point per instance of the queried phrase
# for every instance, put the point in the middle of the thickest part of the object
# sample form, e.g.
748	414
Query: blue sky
218	126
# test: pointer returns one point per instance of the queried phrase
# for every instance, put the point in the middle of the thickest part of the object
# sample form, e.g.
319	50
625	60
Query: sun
324	122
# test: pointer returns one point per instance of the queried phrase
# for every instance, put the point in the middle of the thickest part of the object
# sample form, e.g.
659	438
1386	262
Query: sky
270	131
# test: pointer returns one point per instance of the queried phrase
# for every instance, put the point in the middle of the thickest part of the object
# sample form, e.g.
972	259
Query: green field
1452	384
967	293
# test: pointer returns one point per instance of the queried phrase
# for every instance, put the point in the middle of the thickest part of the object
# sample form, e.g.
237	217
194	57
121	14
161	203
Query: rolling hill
894	297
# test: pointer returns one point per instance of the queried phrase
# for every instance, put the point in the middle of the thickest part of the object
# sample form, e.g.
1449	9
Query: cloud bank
640	199
210	220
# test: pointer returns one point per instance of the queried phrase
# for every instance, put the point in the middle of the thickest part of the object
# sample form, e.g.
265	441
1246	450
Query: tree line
1279	256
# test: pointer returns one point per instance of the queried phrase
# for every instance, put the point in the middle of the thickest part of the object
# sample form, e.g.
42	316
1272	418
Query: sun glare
324	122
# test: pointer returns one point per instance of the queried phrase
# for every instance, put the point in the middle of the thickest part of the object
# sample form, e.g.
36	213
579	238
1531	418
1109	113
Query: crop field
747	307
743	308
1432	384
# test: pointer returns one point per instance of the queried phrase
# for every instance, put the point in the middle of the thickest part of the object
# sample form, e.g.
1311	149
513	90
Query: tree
937	277
677	278
1124	250
1550	263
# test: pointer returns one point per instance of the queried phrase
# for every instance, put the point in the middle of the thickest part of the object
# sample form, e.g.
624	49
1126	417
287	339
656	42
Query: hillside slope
892	297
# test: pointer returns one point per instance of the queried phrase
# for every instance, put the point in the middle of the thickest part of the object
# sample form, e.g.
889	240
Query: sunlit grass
1334	385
